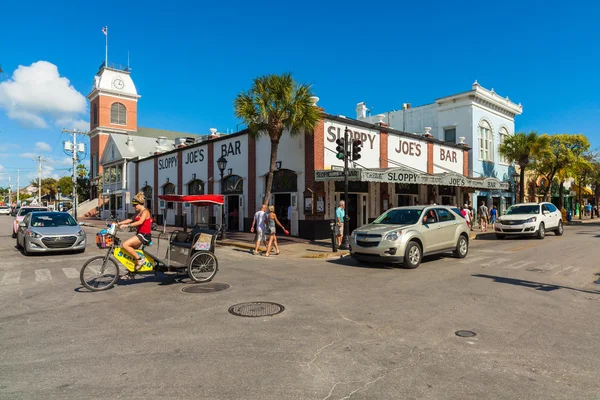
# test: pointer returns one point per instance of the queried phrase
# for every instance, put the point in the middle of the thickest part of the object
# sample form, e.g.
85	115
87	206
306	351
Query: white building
480	118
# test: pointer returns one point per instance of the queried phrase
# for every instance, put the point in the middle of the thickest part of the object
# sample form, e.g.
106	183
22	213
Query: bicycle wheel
97	274
203	266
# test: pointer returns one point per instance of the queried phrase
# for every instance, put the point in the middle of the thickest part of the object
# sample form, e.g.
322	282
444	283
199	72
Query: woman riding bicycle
143	222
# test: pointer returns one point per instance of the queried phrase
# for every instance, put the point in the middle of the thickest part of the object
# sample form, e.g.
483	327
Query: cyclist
143	222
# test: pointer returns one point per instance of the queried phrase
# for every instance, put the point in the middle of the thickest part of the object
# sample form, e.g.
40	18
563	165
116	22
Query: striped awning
584	191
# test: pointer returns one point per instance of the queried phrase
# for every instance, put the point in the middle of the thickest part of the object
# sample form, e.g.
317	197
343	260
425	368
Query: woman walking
272	221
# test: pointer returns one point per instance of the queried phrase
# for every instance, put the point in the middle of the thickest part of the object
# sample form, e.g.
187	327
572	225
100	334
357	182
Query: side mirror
546	212
22	224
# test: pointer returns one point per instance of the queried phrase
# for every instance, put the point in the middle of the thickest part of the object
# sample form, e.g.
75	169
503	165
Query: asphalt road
347	332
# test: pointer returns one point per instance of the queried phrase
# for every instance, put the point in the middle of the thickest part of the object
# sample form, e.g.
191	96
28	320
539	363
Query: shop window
196	187
233	184
450	135
447	190
486	141
118	114
407	188
284	180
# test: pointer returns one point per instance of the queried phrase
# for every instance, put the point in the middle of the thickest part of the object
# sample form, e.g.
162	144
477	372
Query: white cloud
37	93
28	155
73	123
43	146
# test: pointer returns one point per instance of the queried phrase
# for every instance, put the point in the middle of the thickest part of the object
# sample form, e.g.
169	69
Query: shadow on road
544	287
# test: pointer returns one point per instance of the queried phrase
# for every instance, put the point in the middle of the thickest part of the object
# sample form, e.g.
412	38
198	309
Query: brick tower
113	109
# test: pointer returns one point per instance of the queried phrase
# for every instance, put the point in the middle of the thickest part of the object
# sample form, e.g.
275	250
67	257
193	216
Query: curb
327	255
476	236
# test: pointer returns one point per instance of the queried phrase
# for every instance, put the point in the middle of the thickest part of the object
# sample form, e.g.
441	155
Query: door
448	224
232	213
403	201
352	212
431	230
553	215
283	210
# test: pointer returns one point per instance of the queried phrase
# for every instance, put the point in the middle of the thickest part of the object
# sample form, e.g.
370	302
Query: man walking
259	222
493	215
339	222
484	216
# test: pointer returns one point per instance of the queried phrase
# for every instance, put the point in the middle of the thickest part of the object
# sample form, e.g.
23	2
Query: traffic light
341	148
356	148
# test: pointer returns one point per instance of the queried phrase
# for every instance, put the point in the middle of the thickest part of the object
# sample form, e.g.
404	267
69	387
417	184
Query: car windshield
532	209
25	211
52	220
399	217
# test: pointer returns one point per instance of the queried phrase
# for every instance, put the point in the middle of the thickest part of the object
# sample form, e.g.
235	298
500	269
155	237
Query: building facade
480	118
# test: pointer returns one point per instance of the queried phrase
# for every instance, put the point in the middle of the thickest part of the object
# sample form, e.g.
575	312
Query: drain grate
465	333
256	309
205	288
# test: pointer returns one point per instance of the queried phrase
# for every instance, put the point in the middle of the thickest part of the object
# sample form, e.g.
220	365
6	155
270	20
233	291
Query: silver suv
404	235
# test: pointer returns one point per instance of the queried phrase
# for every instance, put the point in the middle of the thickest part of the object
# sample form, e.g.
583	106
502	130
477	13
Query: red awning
195	199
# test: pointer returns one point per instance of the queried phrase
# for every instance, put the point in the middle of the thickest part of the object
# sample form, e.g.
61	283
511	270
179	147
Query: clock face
118	83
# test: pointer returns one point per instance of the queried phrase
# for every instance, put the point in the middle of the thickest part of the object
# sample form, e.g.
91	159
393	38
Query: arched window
502	135
95	114
486	141
196	187
169	188
118	114
148	195
284	180
233	184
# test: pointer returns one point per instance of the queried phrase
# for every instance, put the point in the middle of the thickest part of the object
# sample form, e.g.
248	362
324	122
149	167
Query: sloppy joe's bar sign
447	159
368	137
407	151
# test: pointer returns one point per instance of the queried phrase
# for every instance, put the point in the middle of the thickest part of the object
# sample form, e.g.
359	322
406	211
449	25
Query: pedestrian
493	215
484	216
259	222
464	211
272	221
471	217
588	209
340	214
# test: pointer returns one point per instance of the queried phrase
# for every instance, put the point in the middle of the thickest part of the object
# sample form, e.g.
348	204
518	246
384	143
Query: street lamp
58	192
515	176
222	164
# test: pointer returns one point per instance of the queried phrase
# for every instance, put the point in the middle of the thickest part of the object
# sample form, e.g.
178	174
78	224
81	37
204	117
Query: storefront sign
370	143
330	175
408	152
194	156
231	148
446	158
167	163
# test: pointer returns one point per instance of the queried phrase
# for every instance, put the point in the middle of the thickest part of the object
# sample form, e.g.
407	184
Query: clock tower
113	109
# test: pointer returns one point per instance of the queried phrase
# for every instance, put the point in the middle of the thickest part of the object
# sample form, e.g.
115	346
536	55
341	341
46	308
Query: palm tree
273	104
522	148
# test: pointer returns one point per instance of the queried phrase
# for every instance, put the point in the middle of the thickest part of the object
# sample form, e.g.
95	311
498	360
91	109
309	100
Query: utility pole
9	192
74	148
40	179
18	185
345	239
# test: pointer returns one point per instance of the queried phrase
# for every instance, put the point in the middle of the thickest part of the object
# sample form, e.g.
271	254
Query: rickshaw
190	252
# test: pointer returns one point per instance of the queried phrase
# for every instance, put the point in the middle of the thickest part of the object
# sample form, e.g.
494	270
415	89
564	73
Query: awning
195	199
407	176
584	191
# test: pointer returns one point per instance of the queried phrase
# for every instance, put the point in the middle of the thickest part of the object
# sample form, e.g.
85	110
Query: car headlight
81	233
393	236
353	234
499	220
33	234
532	219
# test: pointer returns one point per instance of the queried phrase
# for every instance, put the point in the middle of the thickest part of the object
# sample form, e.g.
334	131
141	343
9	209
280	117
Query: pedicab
187	252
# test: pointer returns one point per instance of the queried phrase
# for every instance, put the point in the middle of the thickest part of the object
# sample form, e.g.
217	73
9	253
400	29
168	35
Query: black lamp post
222	164
516	177
58	195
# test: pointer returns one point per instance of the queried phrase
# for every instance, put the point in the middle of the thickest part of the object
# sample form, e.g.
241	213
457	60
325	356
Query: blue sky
190	59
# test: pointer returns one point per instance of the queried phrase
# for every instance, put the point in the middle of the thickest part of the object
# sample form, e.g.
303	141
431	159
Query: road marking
43	275
71	272
563	270
549	267
495	261
519	264
471	260
11	277
573	271
527	246
493	251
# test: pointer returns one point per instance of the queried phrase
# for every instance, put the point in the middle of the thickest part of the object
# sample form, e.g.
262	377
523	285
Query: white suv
530	219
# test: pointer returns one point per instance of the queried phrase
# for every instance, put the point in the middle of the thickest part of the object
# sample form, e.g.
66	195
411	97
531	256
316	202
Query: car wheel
18	244
541	233
412	255
25	252
462	247
560	230
500	236
14	235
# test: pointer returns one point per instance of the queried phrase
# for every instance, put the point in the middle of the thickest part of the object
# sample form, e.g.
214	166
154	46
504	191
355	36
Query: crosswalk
41	275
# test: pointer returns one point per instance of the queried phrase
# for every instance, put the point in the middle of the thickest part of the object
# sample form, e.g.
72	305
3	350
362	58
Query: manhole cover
465	333
256	309
205	288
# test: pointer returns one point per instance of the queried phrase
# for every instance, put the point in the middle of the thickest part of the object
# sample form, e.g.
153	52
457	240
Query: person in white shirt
259	222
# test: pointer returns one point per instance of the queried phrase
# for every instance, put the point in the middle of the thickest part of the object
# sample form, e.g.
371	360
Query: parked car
403	235
21	213
4	210
50	231
533	219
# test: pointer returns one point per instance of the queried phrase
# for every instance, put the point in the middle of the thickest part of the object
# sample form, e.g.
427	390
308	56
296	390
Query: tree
583	170
66	185
273	104
522	148
49	186
562	150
